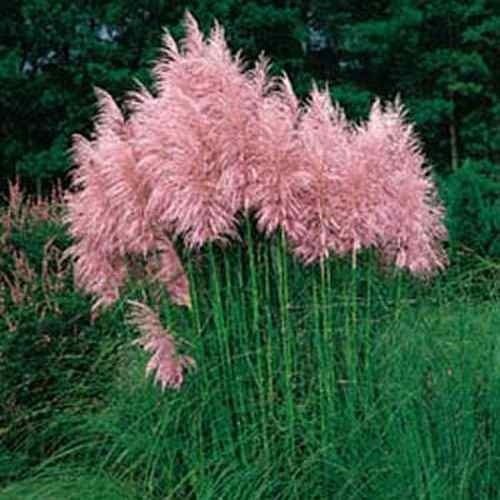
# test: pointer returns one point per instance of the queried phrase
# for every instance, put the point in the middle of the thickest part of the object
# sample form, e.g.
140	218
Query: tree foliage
441	57
52	55
473	199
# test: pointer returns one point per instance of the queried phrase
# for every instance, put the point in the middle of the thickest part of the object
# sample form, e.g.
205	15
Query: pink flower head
193	137
106	211
326	145
281	180
413	223
167	364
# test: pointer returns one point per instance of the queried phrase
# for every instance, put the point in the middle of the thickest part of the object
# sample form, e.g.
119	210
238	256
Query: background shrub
473	200
53	358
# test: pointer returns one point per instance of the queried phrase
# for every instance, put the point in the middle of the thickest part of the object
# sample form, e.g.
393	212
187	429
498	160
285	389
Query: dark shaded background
442	57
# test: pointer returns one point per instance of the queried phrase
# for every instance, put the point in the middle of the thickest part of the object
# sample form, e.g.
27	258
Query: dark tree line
441	57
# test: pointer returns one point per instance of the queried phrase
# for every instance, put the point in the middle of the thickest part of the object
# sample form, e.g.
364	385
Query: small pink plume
165	361
166	267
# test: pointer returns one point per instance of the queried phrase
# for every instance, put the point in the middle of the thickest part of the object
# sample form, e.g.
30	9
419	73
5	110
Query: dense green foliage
473	199
53	358
332	383
440	57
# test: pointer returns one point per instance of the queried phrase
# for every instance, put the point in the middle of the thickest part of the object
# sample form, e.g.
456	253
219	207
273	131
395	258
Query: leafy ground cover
310	382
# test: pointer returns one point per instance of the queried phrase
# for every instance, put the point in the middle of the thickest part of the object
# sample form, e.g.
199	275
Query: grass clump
329	383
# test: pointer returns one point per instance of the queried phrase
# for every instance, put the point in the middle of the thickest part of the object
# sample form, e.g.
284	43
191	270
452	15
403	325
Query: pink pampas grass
215	141
167	364
106	210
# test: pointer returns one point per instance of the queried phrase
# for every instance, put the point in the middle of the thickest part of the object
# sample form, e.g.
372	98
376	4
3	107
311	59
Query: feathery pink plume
414	217
167	364
325	138
194	137
107	212
280	179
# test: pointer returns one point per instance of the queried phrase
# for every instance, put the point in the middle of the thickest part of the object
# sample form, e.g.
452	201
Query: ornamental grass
217	142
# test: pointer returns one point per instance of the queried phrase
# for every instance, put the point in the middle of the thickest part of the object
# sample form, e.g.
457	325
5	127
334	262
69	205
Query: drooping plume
165	361
106	210
166	267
